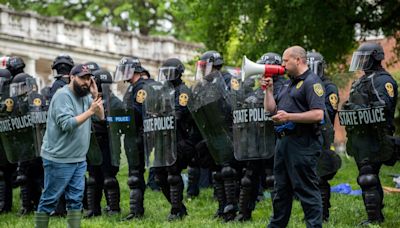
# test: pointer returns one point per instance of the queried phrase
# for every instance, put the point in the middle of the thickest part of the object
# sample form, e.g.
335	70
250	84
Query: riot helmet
92	66
316	63
208	61
5	78
62	65
102	77
15	65
126	68
270	58
171	70
22	84
368	56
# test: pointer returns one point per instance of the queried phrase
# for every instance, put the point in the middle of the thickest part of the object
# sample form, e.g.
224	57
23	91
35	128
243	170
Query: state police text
250	115
159	123
15	123
362	116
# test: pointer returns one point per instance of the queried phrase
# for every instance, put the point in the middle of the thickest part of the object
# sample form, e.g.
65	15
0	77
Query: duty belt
298	131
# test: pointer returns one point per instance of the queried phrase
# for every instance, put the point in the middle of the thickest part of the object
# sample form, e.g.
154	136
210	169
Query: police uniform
368	143
297	151
134	98
329	162
57	84
169	178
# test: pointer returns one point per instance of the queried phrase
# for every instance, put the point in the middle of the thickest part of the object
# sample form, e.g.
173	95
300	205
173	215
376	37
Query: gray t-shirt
65	141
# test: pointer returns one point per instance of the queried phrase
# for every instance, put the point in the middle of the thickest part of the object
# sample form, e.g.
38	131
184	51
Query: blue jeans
59	178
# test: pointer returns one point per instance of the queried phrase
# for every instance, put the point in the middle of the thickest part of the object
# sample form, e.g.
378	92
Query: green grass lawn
346	211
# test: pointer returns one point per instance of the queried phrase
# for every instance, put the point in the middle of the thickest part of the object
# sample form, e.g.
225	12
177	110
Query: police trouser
170	181
249	187
372	191
6	178
325	189
295	172
103	178
30	179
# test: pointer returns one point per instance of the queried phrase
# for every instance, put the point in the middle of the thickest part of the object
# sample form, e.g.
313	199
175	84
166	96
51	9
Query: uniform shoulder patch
318	89
299	84
37	102
141	96
389	89
235	84
183	99
333	99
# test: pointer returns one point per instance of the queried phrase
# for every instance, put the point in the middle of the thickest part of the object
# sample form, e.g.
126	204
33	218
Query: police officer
131	70
7	169
169	178
299	108
329	162
61	67
368	137
24	98
217	84
102	176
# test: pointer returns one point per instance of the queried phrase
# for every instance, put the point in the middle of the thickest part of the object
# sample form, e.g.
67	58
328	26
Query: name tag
362	116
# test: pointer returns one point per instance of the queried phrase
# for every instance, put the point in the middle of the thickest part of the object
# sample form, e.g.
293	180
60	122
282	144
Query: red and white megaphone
3	62
267	70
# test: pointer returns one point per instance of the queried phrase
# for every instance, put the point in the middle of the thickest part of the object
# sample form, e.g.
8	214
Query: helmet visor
360	60
20	88
167	74
203	68
124	72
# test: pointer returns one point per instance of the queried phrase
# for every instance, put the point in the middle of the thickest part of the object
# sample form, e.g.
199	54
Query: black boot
372	197
93	199
178	210
230	186
325	190
26	204
135	183
112	193
219	192
193	189
245	197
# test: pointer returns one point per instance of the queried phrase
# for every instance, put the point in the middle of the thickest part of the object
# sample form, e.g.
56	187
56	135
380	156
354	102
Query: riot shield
159	124
94	155
253	129
210	107
120	125
23	126
3	156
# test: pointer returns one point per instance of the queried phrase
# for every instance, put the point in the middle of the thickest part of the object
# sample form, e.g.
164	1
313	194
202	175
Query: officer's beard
81	91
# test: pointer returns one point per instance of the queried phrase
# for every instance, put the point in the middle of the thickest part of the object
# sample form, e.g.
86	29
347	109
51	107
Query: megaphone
267	70
3	62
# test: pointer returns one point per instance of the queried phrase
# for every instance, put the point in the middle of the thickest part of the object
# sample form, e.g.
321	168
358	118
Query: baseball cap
81	70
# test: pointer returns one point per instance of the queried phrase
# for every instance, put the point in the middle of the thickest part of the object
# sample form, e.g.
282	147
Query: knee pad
110	183
245	181
367	180
174	179
133	182
22	179
228	172
91	181
217	176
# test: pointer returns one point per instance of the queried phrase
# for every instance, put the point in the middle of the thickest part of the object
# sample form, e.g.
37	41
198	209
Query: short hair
298	52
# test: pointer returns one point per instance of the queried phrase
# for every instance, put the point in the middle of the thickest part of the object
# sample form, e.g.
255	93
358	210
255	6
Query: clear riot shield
210	107
23	126
159	124
121	124
253	129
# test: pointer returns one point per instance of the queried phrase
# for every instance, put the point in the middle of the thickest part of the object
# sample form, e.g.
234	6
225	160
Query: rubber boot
41	220
74	218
